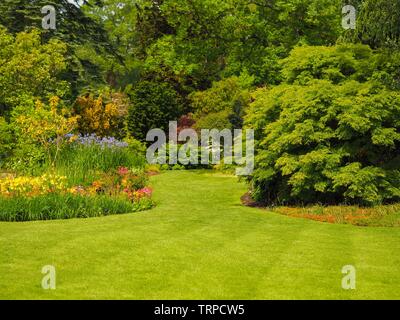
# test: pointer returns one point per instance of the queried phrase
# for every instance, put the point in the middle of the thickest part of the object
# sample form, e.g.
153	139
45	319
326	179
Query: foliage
216	120
326	142
217	37
89	53
29	69
197	61
37	135
44	126
154	104
6	139
221	106
378	23
102	118
167	153
338	63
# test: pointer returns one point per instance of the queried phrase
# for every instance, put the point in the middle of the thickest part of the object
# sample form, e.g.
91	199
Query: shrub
30	68
67	206
337	64
103	116
215	120
322	138
166	149
221	106
154	104
327	143
6	140
341	63
39	131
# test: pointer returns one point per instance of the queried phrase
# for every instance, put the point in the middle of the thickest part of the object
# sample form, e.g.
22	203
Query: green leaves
154	104
337	64
323	141
222	106
29	68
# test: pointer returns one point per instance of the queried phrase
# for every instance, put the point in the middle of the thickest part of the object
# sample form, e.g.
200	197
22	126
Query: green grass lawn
198	243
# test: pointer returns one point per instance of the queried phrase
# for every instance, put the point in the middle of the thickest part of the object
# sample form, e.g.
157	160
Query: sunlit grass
199	242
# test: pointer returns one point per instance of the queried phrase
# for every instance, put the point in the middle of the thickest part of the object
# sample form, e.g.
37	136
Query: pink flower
146	191
123	171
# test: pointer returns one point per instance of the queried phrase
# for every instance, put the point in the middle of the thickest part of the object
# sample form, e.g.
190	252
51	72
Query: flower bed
50	197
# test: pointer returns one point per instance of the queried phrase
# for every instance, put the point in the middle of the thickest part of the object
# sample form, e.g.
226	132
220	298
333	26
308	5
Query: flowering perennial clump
94	140
32	186
121	182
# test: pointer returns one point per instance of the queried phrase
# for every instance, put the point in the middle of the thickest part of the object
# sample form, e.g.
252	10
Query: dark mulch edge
248	201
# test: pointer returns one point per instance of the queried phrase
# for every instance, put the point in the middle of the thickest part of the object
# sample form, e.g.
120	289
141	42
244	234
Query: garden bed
91	177
377	216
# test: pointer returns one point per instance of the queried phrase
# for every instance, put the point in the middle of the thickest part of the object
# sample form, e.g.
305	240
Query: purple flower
106	142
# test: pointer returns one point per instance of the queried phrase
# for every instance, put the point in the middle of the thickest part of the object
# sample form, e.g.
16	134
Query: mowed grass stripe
198	243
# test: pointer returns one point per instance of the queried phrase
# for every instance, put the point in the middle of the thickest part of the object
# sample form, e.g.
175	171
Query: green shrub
179	166
6	140
30	68
215	120
328	141
154	104
221	106
339	63
38	131
67	206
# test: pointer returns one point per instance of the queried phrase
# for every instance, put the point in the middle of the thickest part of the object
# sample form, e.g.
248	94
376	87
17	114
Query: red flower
122	171
146	191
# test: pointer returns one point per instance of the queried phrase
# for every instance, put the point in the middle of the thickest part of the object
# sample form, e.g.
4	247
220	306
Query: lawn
198	243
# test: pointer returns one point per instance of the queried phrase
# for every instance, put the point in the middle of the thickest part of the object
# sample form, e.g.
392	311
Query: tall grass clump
83	160
66	206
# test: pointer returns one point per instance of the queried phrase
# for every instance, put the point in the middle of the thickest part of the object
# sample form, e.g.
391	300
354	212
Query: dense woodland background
324	101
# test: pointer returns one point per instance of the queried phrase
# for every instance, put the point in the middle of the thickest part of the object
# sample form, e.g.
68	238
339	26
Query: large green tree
378	23
86	39
215	38
30	69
